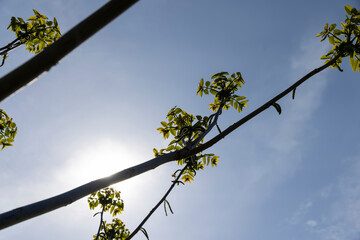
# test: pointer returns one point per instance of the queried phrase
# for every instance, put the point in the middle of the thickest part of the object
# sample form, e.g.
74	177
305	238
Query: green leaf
172	131
277	107
354	64
325	57
41	45
332	27
326	26
37	13
331	40
32	18
201	82
337	32
155	151
236	105
169	148
164	124
240	98
214	92
348	9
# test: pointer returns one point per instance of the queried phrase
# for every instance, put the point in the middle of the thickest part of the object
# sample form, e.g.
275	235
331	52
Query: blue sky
293	176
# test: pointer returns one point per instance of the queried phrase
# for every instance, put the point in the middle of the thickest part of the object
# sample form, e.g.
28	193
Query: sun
96	160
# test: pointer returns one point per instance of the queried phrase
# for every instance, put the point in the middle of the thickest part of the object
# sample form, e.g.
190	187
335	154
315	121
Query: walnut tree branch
46	59
157	205
38	208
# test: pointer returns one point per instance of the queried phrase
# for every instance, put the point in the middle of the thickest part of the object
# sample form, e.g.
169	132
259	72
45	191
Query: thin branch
157	205
38	208
268	104
10	44
193	144
10	48
101	222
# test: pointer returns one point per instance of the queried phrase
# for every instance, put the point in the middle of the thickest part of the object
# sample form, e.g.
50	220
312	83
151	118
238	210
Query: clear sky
290	177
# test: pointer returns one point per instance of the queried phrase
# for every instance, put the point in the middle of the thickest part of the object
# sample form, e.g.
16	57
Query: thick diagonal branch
33	210
42	62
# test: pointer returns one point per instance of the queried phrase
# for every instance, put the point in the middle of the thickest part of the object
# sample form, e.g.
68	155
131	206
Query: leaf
348	9
32	18
155	151
332	27
145	233
169	207
293	93
331	40
37	13
240	98
277	107
201	82
236	105
326	26
172	131
169	148
214	92
164	124
166	202
337	32
354	63
201	93
41	45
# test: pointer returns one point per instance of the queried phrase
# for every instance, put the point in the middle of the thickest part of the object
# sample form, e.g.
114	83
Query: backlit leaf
348	9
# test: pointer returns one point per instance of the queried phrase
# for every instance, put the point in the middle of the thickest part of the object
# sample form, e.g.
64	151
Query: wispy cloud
339	216
300	214
342	221
281	139
311	223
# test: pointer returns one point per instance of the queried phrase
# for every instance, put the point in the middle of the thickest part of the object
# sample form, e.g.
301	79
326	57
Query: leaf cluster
185	128
8	130
36	33
113	231
345	41
109	200
195	163
224	88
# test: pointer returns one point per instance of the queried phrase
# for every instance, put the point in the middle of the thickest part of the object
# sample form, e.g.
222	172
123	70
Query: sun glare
97	160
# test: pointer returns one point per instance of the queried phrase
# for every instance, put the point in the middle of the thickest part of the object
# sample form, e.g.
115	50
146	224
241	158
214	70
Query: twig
101	222
157	205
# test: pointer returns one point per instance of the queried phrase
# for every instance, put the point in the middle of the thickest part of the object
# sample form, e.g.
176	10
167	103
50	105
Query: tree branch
193	144
257	111
157	205
42	62
101	223
38	208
